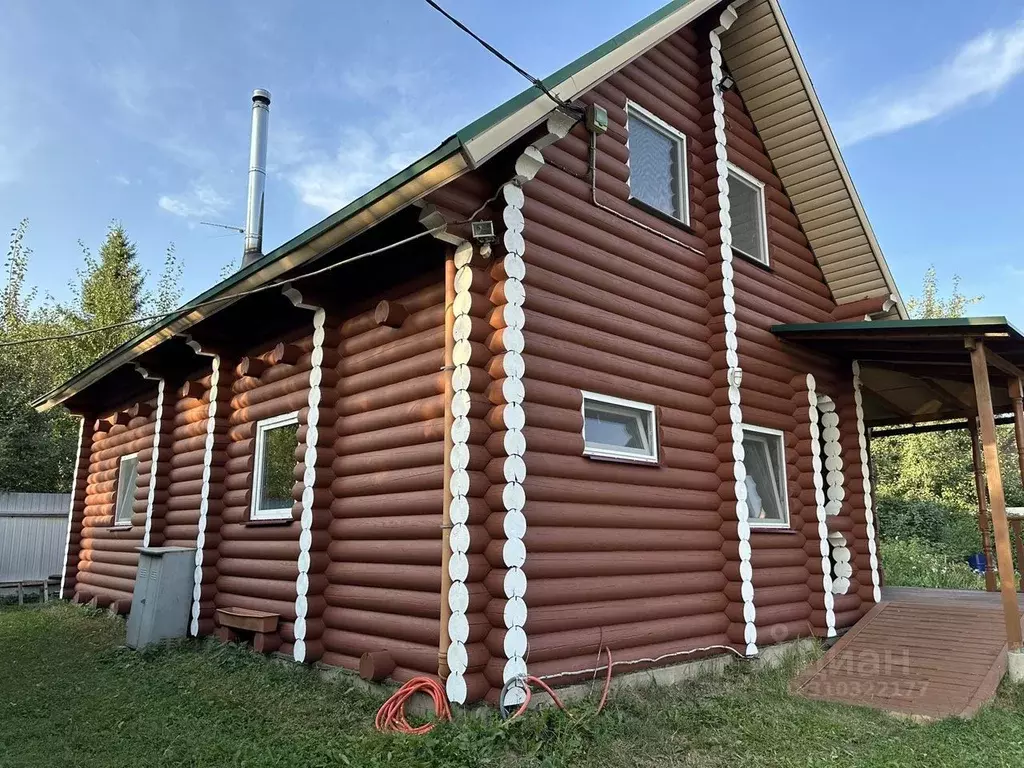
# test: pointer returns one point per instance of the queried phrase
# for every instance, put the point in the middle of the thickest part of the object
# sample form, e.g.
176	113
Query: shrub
916	563
949	530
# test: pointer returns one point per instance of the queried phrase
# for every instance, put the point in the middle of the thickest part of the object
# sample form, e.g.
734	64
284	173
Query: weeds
73	696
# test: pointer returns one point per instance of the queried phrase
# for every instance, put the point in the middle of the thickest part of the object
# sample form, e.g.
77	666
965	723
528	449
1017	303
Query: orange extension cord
530	679
391	716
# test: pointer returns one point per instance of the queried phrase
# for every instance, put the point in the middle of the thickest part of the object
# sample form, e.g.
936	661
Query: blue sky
140	112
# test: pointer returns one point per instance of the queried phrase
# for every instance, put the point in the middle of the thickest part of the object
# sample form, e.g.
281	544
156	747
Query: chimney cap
262	95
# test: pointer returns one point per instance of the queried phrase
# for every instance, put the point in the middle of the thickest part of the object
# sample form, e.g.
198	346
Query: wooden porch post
1017	396
987	420
979	484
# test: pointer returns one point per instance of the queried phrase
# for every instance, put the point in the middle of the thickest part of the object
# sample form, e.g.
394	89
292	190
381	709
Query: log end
390	313
376	665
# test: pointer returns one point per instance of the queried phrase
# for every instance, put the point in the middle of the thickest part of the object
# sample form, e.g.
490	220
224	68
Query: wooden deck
926	653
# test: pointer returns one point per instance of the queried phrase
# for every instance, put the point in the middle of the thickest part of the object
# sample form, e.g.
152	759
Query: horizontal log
569	591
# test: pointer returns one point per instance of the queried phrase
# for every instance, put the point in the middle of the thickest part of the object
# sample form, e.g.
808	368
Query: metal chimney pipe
257	176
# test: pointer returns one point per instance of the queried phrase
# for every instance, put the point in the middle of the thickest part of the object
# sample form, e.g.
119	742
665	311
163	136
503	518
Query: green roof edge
931	322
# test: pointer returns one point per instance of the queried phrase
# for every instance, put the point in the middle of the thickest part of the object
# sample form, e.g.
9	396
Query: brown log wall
256	561
107	556
774	392
620	555
186	411
77	516
165	450
613	309
383	541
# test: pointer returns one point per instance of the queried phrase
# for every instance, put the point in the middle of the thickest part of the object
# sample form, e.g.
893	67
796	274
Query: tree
37	450
168	286
110	290
930	304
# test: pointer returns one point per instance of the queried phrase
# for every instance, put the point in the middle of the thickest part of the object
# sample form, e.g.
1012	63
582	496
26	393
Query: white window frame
758	186
784	489
610	453
262	427
683	179
119	520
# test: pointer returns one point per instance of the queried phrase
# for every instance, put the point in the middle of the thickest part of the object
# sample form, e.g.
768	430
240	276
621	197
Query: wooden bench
239	623
43	585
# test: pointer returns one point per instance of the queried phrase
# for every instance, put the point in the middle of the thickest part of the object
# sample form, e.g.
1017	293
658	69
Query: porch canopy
916	371
940	374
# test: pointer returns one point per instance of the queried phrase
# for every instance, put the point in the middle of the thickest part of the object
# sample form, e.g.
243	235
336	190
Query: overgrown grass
915	563
73	697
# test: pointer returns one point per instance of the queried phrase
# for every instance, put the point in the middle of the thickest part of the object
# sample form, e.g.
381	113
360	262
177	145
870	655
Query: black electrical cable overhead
537	82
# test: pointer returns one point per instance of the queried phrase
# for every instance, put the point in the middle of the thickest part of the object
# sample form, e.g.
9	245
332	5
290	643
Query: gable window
764	459
127	479
657	164
619	429
276	442
747	211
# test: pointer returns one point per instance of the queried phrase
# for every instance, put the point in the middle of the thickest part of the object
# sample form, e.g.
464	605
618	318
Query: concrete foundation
1015	666
769	657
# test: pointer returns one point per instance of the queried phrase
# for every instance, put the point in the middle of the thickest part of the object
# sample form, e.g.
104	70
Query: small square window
764	459
277	439
747	211
657	164
127	480
618	429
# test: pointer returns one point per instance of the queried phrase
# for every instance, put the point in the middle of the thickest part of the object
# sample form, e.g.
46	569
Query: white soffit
762	57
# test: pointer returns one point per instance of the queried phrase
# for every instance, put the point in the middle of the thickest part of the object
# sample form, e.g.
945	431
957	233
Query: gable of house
761	55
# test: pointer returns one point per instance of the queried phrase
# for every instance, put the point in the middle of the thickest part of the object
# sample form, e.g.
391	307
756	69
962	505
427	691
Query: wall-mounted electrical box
162	600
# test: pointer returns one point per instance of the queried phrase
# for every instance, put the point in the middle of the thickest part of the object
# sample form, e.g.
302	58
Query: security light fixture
483	231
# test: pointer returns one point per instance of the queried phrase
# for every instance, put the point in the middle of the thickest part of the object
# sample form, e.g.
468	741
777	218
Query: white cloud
983	66
362	160
201	201
391	134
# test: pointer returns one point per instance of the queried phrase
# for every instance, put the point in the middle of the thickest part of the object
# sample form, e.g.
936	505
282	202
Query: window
276	442
747	210
657	164
764	458
618	429
127	479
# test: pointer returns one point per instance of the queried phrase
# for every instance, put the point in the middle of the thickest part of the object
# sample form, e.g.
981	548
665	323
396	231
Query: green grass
72	697
917	563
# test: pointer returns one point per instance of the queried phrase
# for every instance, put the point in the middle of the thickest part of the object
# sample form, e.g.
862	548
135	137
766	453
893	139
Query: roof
488	135
777	91
915	371
937	327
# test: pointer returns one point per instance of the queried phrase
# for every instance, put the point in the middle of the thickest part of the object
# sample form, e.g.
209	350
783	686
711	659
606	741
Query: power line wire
222	299
537	82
